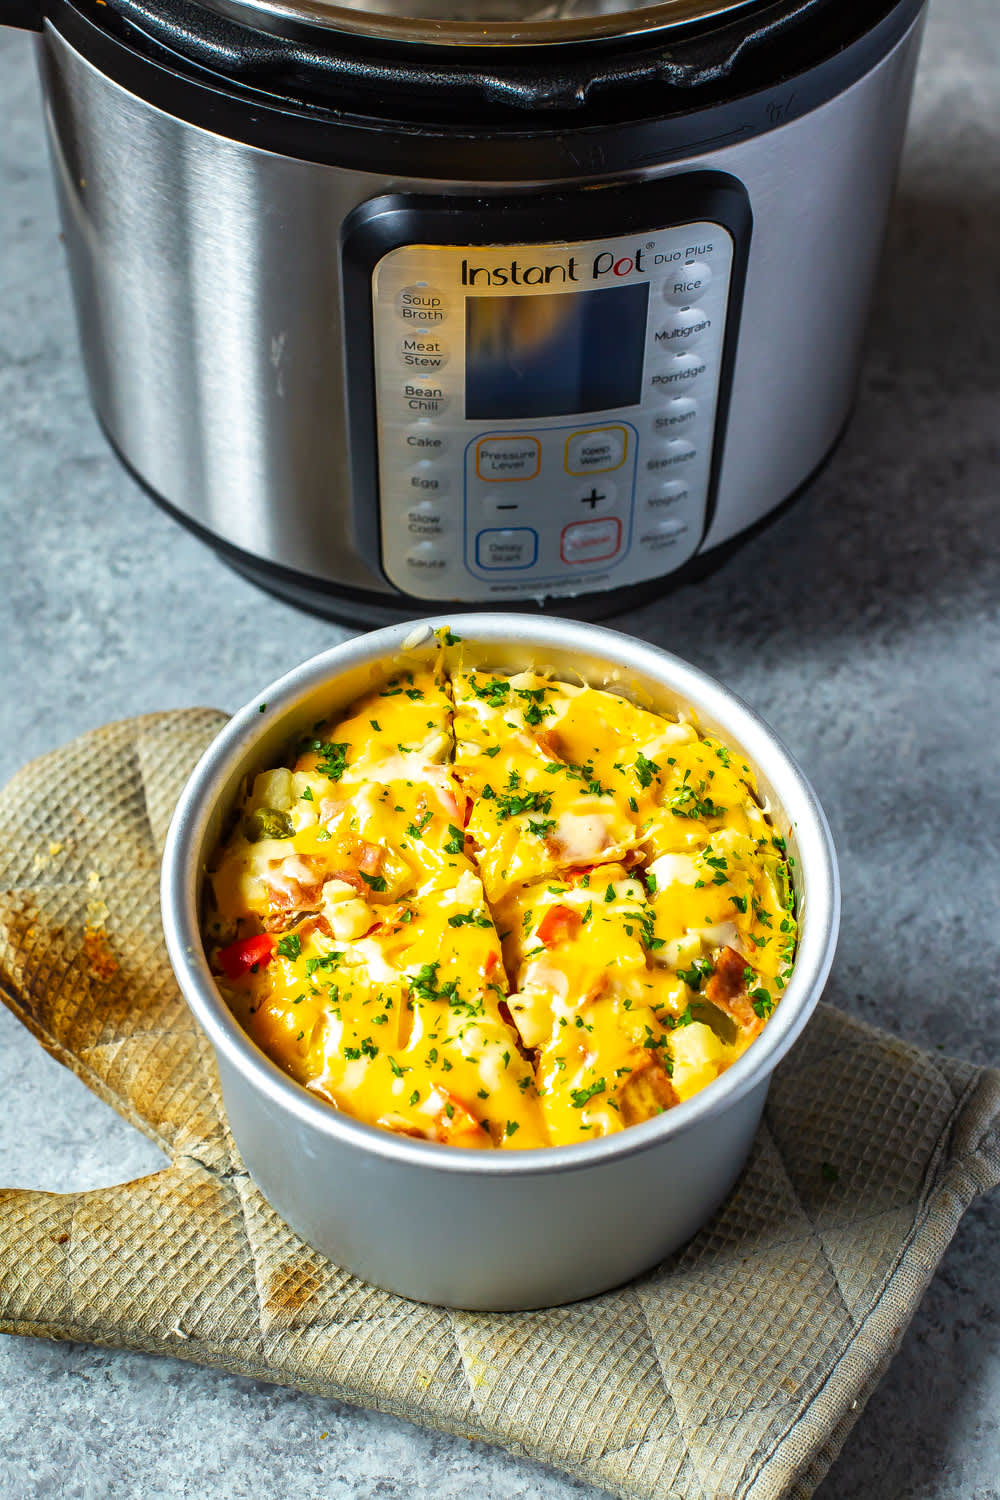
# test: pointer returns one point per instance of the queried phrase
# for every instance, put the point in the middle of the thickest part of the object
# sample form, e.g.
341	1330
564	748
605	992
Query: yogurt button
687	282
665	497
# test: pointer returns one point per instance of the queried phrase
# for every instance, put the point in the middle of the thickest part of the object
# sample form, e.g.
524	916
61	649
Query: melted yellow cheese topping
502	910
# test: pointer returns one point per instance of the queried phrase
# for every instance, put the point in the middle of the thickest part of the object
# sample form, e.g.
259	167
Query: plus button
593	499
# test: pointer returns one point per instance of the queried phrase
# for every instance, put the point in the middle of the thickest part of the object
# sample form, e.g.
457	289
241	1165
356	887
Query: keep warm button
591	541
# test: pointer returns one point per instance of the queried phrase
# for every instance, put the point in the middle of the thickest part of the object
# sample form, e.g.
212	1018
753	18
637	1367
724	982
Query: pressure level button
687	283
421	306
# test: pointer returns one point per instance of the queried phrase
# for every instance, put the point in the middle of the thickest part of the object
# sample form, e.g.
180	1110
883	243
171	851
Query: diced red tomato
238	958
558	924
578	872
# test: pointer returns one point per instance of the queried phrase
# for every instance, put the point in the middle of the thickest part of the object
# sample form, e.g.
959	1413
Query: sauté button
428	556
514	457
687	282
513	548
421	306
596	450
590	541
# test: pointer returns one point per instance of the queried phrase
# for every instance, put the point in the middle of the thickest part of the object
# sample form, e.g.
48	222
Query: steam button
686	283
679	414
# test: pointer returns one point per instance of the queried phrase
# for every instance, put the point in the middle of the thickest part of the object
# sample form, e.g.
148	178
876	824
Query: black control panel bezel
390	221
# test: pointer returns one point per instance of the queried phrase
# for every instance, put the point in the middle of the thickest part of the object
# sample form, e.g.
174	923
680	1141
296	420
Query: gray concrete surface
863	625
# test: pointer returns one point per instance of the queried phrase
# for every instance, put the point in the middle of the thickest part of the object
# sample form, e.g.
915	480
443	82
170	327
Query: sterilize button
422	306
422	351
687	282
591	541
665	497
673	454
679	413
514	457
682	328
423	400
678	372
596	450
516	547
423	440
427	478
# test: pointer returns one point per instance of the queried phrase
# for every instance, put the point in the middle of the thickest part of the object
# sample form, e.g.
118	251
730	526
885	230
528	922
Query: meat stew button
591	541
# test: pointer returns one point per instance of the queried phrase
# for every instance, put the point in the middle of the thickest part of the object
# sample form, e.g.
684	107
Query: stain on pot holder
737	1367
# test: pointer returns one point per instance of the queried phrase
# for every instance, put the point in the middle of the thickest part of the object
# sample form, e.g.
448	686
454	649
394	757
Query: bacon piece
646	1093
295	884
370	859
351	878
455	1125
727	989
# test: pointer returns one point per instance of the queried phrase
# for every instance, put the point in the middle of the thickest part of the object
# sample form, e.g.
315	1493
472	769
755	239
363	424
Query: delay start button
591	541
513	548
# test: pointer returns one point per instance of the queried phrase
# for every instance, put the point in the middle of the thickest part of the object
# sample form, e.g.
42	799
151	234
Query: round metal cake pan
494	1230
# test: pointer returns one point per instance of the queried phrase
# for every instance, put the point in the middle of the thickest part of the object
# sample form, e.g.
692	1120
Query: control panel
545	412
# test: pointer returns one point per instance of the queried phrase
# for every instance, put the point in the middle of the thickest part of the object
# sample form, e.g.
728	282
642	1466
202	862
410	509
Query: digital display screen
554	354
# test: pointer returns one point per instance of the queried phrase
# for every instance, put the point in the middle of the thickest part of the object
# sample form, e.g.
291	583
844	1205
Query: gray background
863	625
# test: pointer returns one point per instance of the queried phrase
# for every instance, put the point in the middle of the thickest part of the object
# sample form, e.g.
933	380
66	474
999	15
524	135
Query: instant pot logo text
606	265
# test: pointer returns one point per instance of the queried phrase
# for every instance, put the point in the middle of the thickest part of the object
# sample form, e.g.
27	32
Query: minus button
498	504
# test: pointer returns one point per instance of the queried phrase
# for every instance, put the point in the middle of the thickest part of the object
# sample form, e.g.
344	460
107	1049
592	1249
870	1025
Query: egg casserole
501	910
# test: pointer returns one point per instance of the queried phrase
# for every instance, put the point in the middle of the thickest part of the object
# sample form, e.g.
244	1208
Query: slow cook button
673	454
680	412
422	351
681	329
428	556
664	497
596	450
425	519
686	284
422	400
513	548
591	541
422	306
678	372
422	440
427	478
513	457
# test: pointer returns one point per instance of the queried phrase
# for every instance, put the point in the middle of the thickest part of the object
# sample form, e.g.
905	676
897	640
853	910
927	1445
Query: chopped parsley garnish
416	830
331	756
290	946
494	750
449	638
581	1096
511	804
376	882
307	795
495	692
645	770
700	970
469	919
455	843
540	826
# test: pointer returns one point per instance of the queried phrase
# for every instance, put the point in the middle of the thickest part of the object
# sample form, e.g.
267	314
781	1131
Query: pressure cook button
423	400
663	526
656	502
427	478
673	454
686	283
514	457
679	413
596	450
422	440
513	548
421	306
422	351
682	328
591	541
678	372
428	556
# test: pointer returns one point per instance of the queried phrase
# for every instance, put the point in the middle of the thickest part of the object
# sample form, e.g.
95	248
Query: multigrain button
422	440
422	351
428	479
596	450
673	454
678	372
656	502
514	457
421	306
687	283
590	541
514	547
681	328
679	413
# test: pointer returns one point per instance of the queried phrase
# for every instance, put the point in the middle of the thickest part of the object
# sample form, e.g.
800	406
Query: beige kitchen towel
735	1369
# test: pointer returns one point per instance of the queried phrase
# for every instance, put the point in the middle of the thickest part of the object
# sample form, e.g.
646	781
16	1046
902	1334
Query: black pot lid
479	23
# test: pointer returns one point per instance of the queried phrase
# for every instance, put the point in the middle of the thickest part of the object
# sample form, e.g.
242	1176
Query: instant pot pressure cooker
423	301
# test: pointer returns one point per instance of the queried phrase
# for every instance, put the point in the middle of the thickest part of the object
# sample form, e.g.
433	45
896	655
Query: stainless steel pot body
493	1230
208	288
